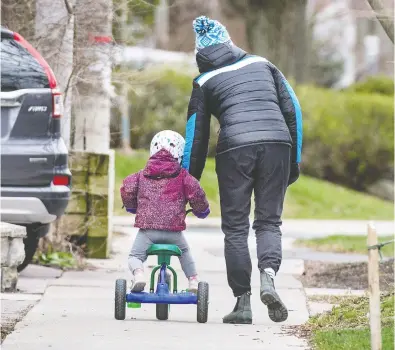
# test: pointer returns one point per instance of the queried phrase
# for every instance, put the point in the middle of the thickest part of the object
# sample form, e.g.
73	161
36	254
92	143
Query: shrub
348	136
374	85
160	101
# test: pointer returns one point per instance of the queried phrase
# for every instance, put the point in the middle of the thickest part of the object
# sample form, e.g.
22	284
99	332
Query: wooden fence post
374	289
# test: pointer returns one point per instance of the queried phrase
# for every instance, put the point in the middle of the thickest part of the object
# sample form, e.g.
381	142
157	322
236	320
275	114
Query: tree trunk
264	27
301	40
385	19
93	87
276	30
124	89
162	25
214	9
54	40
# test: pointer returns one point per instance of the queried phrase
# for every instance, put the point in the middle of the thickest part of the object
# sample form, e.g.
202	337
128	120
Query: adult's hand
294	173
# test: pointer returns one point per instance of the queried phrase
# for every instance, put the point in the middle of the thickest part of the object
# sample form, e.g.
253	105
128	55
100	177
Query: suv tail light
57	104
61	180
56	95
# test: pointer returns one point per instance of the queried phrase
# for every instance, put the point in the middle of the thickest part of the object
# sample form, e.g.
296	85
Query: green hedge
374	85
348	136
160	101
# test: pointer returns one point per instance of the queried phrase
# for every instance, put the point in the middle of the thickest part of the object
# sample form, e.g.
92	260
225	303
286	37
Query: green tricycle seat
164	252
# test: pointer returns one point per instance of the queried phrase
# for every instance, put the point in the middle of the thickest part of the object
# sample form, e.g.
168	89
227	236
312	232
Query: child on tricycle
158	195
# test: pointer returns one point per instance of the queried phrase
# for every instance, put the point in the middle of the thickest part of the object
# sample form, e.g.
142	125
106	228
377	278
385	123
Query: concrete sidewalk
295	228
32	284
77	310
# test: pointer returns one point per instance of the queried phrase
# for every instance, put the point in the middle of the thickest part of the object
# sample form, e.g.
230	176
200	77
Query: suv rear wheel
34	233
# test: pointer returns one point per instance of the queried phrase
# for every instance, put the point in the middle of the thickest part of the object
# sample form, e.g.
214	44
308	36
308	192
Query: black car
35	178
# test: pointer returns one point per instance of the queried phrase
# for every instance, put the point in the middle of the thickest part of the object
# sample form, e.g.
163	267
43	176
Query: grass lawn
307	198
352	339
346	327
345	244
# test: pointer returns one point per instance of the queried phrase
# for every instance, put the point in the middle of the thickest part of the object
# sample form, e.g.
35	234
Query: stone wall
12	254
88	216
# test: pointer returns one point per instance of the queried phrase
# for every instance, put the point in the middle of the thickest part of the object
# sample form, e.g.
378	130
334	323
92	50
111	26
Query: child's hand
202	215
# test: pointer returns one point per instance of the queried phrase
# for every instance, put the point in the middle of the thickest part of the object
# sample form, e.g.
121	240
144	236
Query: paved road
76	311
290	228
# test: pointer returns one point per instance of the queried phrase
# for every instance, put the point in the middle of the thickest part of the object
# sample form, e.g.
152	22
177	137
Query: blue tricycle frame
162	296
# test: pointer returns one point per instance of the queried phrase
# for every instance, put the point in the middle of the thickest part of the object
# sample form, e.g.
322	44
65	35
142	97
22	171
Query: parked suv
35	178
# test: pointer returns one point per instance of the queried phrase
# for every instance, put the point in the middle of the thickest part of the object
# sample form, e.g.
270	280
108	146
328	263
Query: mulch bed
345	275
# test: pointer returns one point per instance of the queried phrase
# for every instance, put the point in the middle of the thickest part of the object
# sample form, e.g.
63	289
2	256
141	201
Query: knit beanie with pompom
209	32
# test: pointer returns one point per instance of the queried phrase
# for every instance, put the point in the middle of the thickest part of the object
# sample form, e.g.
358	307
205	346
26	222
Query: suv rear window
19	69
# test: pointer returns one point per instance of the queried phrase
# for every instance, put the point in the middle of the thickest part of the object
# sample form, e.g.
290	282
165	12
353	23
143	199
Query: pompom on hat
209	32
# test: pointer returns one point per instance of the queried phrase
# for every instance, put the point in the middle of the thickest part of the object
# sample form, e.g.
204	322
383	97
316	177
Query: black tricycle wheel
202	304
162	310
120	299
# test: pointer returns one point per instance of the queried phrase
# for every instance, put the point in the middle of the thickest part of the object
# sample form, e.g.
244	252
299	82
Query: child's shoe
193	284
138	282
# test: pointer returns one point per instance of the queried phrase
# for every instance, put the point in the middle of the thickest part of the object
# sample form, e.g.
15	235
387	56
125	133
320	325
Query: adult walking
259	149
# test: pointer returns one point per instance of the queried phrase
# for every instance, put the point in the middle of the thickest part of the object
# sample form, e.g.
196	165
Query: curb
335	292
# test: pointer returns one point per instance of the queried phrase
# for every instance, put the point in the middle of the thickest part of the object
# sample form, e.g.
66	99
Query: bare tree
276	29
54	25
385	19
162	25
93	88
214	9
124	84
18	16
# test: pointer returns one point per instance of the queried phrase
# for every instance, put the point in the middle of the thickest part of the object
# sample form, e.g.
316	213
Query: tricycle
162	295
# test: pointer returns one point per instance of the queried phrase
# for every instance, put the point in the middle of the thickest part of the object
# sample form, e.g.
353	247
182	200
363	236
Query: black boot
241	314
276	308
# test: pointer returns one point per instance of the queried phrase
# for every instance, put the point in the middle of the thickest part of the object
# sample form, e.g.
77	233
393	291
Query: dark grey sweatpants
264	169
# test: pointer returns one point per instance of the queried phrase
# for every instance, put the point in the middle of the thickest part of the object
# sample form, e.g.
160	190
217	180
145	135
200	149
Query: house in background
374	51
350	27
